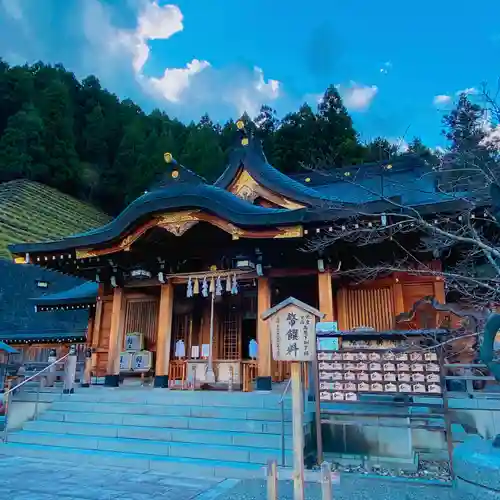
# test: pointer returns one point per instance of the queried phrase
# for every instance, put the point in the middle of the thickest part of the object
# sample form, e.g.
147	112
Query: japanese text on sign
293	335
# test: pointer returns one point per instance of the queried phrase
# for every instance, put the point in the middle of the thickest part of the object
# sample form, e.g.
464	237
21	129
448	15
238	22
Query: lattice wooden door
230	335
141	315
181	330
371	307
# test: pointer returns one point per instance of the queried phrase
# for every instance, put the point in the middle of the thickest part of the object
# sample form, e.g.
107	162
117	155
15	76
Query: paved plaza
30	479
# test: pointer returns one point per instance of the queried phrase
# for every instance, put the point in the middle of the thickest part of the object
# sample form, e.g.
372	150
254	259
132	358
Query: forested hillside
81	139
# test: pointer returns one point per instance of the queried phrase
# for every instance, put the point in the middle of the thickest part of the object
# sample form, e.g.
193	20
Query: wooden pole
210	377
298	432
272	480
317	405
326	481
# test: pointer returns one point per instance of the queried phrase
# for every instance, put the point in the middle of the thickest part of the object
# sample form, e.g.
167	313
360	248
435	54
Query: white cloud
467	91
492	139
153	23
441	99
175	81
358	97
492	132
271	89
12	8
241	89
400	143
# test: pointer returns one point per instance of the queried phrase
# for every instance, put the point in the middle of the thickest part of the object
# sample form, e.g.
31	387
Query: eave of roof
221	203
42	337
7	348
81	295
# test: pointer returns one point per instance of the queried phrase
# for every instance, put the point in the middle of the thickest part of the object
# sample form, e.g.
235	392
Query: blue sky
398	65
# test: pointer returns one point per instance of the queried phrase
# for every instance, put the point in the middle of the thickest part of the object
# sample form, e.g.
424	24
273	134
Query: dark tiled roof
253	159
18	284
80	295
409	178
176	173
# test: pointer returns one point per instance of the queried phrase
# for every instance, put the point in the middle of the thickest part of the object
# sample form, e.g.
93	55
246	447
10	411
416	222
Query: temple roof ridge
250	156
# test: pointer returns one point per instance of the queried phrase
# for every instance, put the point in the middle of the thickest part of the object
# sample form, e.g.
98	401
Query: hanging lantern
204	287
196	286
218	286
189	292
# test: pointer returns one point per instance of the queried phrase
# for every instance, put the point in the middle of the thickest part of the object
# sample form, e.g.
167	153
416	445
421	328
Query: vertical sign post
293	339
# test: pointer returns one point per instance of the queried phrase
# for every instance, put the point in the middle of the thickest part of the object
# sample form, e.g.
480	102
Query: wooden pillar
164	336
440	296
115	338
397	293
325	292
264	358
96	330
439	291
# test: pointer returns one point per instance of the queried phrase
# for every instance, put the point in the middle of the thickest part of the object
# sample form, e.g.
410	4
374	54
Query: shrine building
179	279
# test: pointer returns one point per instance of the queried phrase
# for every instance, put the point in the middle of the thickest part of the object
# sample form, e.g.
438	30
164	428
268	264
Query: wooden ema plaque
374	367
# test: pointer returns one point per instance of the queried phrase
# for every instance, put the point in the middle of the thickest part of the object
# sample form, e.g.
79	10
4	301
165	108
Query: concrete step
253	440
209	452
176	422
172	397
264	414
171	465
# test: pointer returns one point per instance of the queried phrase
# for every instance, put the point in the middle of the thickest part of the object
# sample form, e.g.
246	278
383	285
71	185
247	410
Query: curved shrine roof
324	202
253	159
212	199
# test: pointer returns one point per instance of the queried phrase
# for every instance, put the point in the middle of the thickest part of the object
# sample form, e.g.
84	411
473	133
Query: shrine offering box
354	363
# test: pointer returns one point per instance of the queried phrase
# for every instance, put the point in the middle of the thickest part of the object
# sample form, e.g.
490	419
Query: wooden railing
177	372
281	371
250	372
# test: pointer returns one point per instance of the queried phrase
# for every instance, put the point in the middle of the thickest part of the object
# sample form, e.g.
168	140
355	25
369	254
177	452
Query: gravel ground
427	469
351	487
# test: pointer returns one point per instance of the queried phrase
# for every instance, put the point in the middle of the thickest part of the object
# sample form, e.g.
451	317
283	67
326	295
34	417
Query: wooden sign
293	330
293	337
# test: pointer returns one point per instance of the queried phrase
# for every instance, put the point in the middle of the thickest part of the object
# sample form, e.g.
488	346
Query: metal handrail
282	406
6	395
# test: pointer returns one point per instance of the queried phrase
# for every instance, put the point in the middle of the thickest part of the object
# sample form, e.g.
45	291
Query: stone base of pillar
263	384
161	381
68	391
112	380
84	384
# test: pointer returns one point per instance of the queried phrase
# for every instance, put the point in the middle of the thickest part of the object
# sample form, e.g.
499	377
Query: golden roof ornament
240	124
168	157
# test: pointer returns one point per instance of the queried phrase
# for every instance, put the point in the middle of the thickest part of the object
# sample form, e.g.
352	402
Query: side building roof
30	211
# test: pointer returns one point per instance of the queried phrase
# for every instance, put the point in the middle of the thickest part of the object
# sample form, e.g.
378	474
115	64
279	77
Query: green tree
468	160
337	138
380	149
59	141
202	151
418	148
22	154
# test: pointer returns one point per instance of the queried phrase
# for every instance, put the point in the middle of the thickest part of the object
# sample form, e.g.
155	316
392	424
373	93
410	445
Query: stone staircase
209	433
